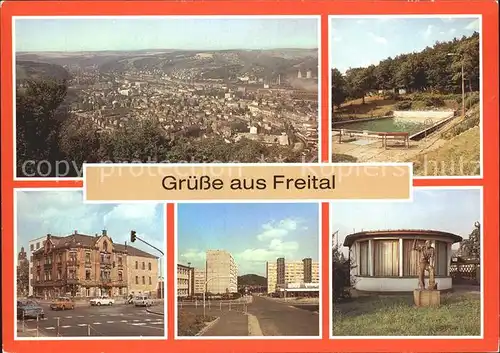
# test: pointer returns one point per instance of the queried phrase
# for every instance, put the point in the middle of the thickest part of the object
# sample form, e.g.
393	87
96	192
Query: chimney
104	232
76	232
48	236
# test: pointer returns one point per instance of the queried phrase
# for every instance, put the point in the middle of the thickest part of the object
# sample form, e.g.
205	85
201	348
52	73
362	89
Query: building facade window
441	266
364	258
149	266
143	266
410	258
150	282
143	280
386	258
87	275
136	279
137	265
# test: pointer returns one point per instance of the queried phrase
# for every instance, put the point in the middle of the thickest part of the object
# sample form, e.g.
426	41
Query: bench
404	136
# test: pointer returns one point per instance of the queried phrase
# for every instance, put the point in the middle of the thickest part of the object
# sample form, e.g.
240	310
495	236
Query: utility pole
463	79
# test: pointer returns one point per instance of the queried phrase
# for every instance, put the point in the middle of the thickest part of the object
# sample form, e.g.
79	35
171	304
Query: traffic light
132	236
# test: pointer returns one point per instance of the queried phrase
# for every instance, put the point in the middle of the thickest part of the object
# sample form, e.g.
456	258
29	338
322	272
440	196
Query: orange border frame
490	181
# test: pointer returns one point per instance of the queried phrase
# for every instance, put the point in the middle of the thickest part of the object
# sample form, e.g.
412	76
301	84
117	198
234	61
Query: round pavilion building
384	261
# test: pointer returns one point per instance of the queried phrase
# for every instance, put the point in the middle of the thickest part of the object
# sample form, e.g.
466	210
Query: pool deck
371	150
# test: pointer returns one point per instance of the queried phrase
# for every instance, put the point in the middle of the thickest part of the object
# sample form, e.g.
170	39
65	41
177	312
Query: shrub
403	105
434	101
391	96
472	99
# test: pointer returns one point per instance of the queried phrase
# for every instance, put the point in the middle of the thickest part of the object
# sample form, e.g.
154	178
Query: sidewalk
231	323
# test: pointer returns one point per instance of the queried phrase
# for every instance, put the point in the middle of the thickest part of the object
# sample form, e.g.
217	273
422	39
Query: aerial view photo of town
166	89
407	89
88	270
247	270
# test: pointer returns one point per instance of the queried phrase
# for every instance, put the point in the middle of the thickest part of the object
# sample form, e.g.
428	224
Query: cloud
429	31
62	212
376	38
193	255
473	26
448	19
336	37
452	31
279	229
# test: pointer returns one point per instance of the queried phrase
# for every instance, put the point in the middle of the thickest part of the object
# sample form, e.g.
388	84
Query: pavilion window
410	258
363	259
386	258
441	265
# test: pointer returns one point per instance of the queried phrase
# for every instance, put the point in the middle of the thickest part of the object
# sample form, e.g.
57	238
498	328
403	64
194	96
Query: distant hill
252	280
32	70
211	64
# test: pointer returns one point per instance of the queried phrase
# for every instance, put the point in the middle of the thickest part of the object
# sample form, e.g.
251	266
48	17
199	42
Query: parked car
29	309
142	300
62	303
102	301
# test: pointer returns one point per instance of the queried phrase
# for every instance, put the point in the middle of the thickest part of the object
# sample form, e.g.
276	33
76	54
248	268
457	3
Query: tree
359	82
39	118
339	88
341	274
23	278
471	247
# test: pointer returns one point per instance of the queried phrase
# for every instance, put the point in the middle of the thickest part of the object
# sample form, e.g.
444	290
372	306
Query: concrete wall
396	284
424	114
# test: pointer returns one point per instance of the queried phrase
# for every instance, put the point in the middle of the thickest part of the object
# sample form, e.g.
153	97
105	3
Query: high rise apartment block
281	273
221	272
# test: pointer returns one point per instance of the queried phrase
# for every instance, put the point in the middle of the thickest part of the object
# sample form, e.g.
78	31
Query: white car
102	301
143	301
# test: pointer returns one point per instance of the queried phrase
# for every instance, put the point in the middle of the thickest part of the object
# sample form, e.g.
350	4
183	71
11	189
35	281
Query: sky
361	42
449	210
60	213
87	34
252	233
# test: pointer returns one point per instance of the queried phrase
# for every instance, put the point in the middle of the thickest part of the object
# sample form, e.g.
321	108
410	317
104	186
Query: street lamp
205	289
463	80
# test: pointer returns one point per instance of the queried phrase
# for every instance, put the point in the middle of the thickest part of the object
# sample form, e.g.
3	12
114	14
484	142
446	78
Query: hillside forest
435	69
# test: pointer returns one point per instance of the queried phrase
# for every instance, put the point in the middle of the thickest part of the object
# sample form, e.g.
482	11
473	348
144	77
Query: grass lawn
458	315
189	324
373	107
457	156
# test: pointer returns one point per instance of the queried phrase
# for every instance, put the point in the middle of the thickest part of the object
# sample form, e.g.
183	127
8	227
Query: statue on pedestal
425	263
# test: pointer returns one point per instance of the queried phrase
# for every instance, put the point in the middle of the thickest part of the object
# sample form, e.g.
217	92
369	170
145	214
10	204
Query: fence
213	306
466	273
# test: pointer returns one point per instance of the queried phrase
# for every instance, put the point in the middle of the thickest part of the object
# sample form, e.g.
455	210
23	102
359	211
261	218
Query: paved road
262	317
281	319
117	320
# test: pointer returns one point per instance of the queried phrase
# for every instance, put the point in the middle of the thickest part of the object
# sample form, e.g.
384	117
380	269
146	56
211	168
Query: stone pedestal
427	297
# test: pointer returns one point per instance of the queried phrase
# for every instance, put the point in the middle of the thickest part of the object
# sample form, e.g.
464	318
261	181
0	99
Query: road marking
293	307
81	325
103	315
156	328
110	322
123	321
50	328
157	323
136	320
66	326
147	319
139	324
254	326
44	319
80	316
30	320
159	319
96	323
68	317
